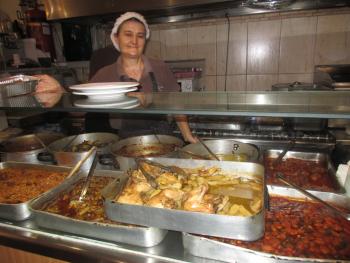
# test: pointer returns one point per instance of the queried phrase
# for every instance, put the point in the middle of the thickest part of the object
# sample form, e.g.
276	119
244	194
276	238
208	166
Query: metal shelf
300	104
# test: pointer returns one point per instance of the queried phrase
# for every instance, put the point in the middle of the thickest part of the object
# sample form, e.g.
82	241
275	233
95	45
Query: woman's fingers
47	84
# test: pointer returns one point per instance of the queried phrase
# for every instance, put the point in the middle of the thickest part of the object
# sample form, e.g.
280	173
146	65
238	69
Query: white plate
126	103
106	94
96	87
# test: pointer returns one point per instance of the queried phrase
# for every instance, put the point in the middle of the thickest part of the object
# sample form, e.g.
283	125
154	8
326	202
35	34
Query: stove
268	133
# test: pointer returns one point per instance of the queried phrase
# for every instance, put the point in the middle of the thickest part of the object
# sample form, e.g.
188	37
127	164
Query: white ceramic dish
98	87
126	103
106	95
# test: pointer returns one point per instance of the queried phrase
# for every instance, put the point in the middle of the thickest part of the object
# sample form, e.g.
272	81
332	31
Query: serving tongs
150	179
76	168
306	193
171	169
88	178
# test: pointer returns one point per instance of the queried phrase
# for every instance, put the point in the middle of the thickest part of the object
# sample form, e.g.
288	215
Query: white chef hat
121	19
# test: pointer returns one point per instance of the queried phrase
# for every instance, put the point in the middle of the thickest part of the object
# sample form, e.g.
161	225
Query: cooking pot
27	148
70	150
126	150
225	149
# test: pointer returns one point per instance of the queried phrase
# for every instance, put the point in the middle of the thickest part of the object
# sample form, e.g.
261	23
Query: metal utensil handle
283	153
42	143
153	163
88	177
207	148
193	154
64	148
304	192
80	163
149	178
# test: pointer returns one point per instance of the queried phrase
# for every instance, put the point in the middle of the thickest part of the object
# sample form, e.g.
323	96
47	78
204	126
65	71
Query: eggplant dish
89	209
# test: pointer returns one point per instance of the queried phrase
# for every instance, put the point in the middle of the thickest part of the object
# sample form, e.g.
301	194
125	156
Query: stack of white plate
106	94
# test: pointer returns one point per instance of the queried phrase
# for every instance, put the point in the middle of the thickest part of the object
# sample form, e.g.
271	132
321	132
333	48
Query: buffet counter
26	234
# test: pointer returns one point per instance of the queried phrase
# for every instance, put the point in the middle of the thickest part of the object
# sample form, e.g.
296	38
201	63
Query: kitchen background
263	49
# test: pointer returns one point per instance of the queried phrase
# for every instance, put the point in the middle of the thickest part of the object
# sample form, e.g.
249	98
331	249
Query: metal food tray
21	211
134	235
310	156
238	227
207	248
18	85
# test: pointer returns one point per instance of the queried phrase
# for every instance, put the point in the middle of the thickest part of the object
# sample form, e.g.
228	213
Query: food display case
274	105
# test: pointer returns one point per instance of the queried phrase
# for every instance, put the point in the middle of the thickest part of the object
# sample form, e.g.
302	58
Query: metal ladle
306	193
47	149
288	147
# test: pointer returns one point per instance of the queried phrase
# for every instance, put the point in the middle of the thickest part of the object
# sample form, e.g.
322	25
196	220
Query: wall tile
263	46
237	55
220	83
202	44
233	83
261	82
297	45
153	45
174	44
333	40
208	83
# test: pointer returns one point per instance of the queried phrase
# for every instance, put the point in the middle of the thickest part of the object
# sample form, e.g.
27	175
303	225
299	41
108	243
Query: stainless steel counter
169	250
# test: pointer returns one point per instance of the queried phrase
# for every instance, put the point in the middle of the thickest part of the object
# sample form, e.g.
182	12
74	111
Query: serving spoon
287	148
306	193
208	149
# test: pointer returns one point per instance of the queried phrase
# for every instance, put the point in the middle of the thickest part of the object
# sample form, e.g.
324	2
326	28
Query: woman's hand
182	123
48	84
48	99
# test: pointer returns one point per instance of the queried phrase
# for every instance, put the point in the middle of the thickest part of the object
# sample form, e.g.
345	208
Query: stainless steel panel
204	247
18	212
238	227
178	10
139	236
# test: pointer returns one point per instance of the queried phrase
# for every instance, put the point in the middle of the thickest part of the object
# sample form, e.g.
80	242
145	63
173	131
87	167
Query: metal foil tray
207	248
21	211
238	227
134	235
17	85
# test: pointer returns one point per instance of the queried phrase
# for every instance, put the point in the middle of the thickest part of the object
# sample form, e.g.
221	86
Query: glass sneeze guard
309	104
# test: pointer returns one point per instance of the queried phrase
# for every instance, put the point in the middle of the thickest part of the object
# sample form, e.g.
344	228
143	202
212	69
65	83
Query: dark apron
137	125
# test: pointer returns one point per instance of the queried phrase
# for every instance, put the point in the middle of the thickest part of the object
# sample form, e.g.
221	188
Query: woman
129	36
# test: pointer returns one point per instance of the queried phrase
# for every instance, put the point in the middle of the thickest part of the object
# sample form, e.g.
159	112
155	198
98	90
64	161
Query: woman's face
131	38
